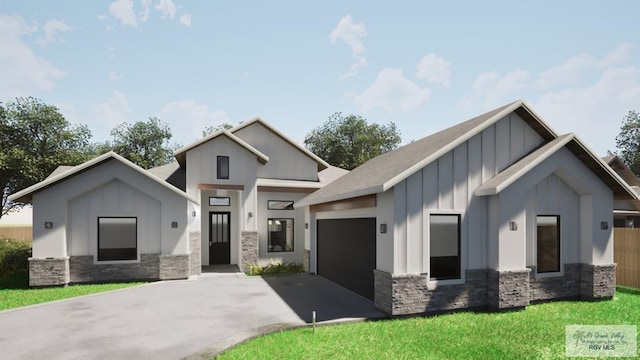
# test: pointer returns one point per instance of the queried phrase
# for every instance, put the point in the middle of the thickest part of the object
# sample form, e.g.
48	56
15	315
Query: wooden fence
626	253
16	232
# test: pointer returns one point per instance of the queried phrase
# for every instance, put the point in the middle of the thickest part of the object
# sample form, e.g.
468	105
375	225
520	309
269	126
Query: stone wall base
555	287
83	269
508	289
306	256
248	249
48	272
174	267
597	281
195	261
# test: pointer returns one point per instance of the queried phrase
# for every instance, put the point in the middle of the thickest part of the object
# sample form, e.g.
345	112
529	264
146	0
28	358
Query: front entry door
219	245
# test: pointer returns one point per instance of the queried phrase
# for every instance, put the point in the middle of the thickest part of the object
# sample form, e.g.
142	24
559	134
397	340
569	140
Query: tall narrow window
223	167
548	243
280	235
117	238
444	247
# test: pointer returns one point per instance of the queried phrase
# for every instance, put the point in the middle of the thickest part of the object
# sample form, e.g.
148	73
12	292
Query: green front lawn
15	291
537	332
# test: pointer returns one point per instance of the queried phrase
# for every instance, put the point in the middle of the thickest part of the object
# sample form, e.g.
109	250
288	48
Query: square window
117	238
279	205
223	167
548	243
444	246
219	201
280	235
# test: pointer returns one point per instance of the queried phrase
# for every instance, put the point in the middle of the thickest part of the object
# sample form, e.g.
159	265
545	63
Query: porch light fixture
193	213
48	225
383	228
306	225
513	226
250	214
604	225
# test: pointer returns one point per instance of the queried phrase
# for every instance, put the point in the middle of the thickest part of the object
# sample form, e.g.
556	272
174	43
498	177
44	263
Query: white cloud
123	11
185	20
351	34
392	93
188	119
167	8
102	17
22	72
113	111
144	14
491	89
51	29
113	76
434	69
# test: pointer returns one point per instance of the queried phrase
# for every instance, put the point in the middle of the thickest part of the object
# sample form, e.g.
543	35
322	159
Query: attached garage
347	253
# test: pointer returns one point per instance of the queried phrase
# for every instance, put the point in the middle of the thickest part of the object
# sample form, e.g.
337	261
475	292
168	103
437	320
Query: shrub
14	255
276	268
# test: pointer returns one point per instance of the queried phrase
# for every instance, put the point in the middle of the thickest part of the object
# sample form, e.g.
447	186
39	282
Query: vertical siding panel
460	177
445	181
430	185
473	216
541	192
414	223
517	138
503	144
530	226
531	139
400	231
552	194
488	153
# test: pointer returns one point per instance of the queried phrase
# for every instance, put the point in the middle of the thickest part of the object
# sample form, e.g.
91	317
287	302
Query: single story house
495	212
227	199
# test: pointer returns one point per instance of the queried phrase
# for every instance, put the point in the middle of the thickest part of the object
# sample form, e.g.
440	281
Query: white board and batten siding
446	186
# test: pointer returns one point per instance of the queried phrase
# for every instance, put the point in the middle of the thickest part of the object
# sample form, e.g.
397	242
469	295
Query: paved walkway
173	319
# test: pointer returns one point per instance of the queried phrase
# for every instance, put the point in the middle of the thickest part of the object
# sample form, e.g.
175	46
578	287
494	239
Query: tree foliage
349	141
145	143
628	141
34	139
211	129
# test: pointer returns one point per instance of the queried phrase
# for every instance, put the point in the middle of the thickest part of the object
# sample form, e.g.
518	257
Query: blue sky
424	65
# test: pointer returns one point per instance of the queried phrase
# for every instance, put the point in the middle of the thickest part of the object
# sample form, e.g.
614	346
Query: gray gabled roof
26	195
622	169
385	171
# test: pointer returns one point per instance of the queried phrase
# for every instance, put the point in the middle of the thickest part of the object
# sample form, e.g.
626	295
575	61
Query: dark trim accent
220	197
287	189
360	202
289	207
459	257
220	187
117	254
293	236
221	258
222	167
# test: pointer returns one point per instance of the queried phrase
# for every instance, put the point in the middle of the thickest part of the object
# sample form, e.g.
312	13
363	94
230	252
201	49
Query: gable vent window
223	167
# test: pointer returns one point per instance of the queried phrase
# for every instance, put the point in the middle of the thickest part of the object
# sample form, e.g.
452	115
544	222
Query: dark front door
219	245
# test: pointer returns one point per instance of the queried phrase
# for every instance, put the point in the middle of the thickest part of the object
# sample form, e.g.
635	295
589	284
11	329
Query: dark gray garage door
347	253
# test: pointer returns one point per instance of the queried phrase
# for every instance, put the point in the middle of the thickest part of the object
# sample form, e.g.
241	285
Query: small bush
14	255
275	268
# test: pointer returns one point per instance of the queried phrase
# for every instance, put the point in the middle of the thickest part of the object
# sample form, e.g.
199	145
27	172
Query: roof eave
349	195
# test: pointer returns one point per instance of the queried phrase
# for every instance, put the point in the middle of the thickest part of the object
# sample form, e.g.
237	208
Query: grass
15	291
537	332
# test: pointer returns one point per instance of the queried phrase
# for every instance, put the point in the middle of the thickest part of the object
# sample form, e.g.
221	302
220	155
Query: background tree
34	139
211	129
628	141
348	141
144	143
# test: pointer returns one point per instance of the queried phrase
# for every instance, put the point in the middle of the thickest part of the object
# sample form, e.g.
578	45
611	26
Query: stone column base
305	260
196	253
508	289
248	249
597	281
48	272
174	266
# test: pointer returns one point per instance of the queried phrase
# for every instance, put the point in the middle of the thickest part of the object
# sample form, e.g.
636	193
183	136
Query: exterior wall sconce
383	228
193	213
250	214
513	226
306	225
604	225
48	225
174	224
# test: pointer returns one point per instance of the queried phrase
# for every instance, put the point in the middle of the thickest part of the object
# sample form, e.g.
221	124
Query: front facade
494	213
224	201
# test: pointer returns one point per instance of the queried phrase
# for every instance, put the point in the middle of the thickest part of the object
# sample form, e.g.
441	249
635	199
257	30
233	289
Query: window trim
293	236
219	162
285	209
97	258
227	198
461	277
559	246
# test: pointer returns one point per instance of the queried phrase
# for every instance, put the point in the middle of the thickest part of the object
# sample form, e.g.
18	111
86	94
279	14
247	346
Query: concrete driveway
174	319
